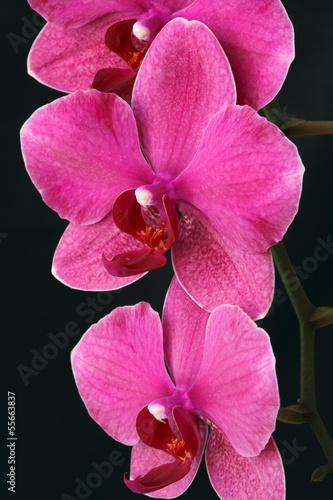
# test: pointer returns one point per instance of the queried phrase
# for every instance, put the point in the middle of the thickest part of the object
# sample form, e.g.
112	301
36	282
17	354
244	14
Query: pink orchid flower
101	43
222	370
233	176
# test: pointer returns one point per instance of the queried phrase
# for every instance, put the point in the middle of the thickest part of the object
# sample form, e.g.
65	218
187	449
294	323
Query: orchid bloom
233	176
223	375
101	43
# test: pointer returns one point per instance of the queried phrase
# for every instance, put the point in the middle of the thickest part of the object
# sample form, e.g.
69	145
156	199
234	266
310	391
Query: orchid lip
127	216
158	434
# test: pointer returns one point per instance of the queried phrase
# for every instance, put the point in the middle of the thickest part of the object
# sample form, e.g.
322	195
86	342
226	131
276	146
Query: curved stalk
308	128
304	311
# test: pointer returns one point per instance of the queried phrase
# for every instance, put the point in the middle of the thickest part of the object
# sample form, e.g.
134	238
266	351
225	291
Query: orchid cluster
157	146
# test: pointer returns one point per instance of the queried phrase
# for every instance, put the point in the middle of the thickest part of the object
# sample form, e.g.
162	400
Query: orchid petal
80	161
248	179
69	59
144	458
118	367
258	40
183	80
212	273
78	258
236	387
234	476
184	340
75	13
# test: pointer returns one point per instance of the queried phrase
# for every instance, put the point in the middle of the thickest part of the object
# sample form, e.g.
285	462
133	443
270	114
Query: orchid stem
304	309
308	128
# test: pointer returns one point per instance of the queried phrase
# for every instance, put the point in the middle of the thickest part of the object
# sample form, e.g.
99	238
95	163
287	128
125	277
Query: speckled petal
235	477
212	273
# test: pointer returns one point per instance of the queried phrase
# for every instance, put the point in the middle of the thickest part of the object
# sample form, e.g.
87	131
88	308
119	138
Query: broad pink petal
212	273
234	476
258	40
69	59
183	80
74	13
119	368
236	387
81	151
144	458
184	330
78	258
246	178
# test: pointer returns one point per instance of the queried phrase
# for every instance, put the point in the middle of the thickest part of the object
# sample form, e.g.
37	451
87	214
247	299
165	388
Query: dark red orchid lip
158	434
159	477
127	216
116	80
119	39
134	262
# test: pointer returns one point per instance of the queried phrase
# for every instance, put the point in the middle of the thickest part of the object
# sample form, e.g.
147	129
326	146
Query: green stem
304	310
323	437
296	293
308	128
308	389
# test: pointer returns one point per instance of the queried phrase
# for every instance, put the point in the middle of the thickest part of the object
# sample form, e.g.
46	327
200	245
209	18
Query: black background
57	441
